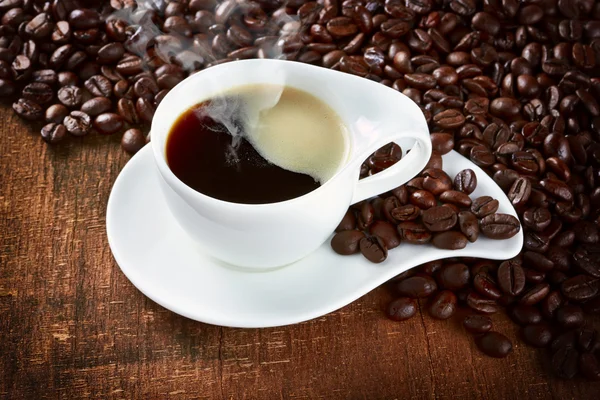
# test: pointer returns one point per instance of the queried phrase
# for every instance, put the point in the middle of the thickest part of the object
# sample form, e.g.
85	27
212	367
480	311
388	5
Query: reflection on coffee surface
257	144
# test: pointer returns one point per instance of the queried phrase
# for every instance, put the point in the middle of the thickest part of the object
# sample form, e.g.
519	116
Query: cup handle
399	173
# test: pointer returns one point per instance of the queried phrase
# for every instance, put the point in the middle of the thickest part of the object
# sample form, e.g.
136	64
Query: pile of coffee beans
510	84
431	208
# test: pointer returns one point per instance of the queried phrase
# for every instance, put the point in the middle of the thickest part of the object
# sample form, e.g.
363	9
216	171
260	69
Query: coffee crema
257	144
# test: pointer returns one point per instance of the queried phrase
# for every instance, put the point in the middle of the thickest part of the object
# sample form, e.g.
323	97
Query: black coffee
200	153
257	144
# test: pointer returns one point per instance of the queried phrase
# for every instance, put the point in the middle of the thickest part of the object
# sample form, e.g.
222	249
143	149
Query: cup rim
174	181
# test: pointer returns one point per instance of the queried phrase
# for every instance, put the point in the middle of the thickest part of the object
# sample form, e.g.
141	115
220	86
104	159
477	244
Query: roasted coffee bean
346	242
469	225
422	199
536	294
416	287
477	323
485	285
386	232
449	119
454	276
550	304
484	206
99	85
130	65
40	26
39	93
108	123
408	212
560	190
494	344
525	314
96	106
133	140
436	181
538	334
482	156
56	113
449	240
499	226
144	109
537	261
414	232
28	109
456	198
570	316
519	192
365	216
442	142
401	309
565	362
587	258
373	248
587	232
127	110
439	218
389	204
537	218
53	132
67	78
580	288
110	53
511	277
70	96
78	123
533	276
505	107
443	305
465	181
146	88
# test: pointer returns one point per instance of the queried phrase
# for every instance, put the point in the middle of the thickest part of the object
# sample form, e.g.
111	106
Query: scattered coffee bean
53	132
133	140
108	123
387	232
525	314
450	240
494	344
416	287
78	123
28	109
443	305
56	113
401	309
373	248
537	335
499	226
570	316
346	242
477	323
454	276
70	96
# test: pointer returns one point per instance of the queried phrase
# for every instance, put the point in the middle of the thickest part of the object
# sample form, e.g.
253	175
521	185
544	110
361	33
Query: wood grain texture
73	327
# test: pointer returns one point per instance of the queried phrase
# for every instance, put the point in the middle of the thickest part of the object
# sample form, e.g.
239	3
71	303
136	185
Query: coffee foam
293	129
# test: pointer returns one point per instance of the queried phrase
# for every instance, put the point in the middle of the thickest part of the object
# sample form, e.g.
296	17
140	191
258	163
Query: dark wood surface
72	326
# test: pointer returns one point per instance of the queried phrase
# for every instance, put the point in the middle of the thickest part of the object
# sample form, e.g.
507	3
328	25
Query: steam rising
240	112
192	52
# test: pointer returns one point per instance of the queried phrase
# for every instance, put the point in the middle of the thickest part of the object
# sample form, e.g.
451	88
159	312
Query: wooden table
73	327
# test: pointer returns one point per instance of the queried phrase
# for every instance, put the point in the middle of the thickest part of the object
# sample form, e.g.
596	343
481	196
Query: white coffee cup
266	236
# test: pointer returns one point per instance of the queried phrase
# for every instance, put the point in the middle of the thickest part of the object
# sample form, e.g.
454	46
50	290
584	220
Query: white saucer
162	262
